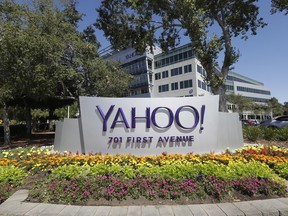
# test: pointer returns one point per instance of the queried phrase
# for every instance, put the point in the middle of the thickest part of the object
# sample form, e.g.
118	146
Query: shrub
212	169
72	191
67	172
188	170
281	134
79	190
216	187
282	170
252	169
252	133
268	133
232	171
12	175
252	186
5	189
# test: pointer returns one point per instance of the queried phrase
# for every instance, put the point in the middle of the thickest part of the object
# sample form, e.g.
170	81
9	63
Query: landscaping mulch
44	138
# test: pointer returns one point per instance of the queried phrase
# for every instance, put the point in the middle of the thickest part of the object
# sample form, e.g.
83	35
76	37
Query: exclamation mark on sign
202	117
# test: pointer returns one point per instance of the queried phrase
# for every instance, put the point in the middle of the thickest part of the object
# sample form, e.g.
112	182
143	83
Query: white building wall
200	91
251	94
130	54
191	91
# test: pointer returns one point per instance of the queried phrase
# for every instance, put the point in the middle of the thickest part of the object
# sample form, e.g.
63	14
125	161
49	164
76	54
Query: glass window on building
167	61
261	100
133	92
175	58
164	74
204	72
173	72
149	64
252	90
203	85
199	84
187	68
199	69
144	90
150	77
163	88
229	87
176	71
174	86
186	84
157	64
185	55
157	76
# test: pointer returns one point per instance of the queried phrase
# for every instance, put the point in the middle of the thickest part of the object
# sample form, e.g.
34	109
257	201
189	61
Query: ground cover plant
248	173
253	134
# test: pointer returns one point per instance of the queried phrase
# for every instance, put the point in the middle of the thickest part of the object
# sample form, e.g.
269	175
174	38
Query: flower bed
80	190
68	178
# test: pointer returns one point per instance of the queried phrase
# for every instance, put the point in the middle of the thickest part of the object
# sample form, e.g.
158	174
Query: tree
70	13
40	67
12	17
241	103
275	107
262	110
279	5
90	37
140	23
285	108
106	79
45	61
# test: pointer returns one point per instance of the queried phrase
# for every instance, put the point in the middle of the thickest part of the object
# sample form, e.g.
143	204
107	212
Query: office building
178	73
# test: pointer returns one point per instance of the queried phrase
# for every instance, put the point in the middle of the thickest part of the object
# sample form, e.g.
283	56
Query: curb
15	206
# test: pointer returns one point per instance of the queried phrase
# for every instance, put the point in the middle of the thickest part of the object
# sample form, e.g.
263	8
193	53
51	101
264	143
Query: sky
263	57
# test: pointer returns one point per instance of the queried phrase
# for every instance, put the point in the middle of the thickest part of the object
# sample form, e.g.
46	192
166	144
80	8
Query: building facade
139	65
178	73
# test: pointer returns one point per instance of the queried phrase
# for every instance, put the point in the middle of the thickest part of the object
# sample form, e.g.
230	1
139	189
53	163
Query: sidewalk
15	206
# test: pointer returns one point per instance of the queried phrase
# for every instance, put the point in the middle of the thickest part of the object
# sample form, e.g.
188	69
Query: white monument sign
150	126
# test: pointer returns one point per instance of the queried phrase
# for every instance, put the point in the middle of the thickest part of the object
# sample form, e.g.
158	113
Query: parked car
247	122
255	122
277	122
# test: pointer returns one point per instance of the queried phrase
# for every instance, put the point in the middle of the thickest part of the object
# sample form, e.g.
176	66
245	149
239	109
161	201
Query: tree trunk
7	139
28	121
51	125
222	99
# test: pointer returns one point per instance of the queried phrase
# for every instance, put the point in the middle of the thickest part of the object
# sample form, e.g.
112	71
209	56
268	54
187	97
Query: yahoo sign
149	126
149	118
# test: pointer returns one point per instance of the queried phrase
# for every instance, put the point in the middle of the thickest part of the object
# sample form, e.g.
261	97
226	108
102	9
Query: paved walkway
15	206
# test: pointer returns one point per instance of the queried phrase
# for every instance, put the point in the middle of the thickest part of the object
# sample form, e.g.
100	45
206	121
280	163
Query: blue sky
264	57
